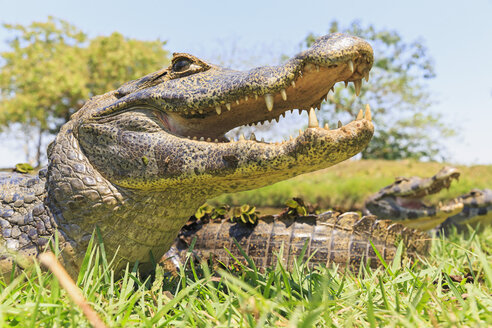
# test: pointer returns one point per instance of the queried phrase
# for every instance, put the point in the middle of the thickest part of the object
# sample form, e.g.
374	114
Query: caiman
136	162
402	201
326	239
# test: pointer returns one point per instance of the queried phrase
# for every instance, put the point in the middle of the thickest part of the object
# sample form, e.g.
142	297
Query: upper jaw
416	187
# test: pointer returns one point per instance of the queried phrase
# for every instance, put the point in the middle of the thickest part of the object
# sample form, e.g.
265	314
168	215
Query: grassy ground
346	185
452	286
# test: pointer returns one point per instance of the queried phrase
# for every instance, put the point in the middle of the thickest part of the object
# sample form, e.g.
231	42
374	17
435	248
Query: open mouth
305	90
410	192
409	199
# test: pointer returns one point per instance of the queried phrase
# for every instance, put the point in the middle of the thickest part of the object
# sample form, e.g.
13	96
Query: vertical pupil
181	64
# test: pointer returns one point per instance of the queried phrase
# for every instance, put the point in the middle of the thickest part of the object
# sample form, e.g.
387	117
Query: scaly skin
331	239
477	209
125	164
402	202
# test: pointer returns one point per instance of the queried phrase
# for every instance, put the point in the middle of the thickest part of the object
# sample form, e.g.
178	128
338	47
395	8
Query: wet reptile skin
331	239
124	163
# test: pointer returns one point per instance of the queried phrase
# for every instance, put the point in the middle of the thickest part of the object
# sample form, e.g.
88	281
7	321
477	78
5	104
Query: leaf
199	213
23	168
291	203
302	210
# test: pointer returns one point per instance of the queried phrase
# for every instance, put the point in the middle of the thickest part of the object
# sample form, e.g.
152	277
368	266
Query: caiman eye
181	65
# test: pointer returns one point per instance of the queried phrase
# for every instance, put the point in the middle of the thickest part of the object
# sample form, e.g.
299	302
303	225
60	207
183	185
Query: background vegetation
52	68
345	186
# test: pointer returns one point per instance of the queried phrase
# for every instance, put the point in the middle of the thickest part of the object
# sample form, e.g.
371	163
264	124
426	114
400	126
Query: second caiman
403	202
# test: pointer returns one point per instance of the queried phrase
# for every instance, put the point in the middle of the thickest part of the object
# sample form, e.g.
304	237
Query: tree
405	125
52	67
40	76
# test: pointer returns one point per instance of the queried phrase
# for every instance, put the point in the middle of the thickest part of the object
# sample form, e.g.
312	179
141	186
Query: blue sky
458	35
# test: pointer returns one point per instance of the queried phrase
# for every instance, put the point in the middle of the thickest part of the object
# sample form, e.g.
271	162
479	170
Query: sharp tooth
292	111
256	97
262	139
366	76
283	114
188	137
293	84
339	125
300	132
317	68
309	67
360	116
313	120
351	66
291	138
333	89
228	106
200	111
208	139
237	102
246	98
368	113
202	139
277	118
327	127
192	112
216	140
269	101
218	109
241	137
357	85
252	137
195	138
346	83
284	94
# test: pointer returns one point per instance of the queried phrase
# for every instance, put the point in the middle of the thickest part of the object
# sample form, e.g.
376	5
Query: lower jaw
425	223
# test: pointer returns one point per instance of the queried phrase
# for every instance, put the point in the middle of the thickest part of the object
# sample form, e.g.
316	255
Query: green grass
346	185
400	294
